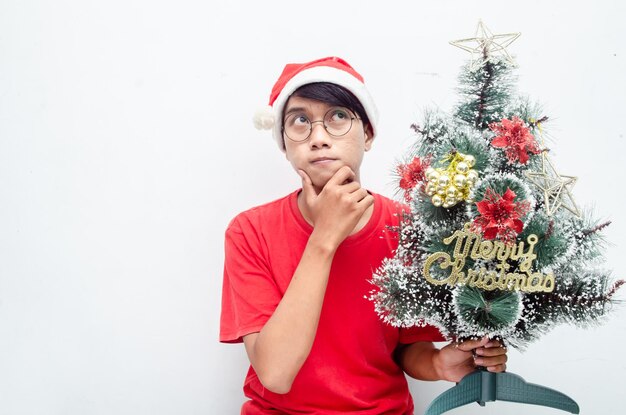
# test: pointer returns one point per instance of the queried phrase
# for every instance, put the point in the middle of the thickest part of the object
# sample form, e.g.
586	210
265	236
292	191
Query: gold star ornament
487	47
557	188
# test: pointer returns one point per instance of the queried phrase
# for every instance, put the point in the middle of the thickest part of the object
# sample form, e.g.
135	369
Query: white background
126	146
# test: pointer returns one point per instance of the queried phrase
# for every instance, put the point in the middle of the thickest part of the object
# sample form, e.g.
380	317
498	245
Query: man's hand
337	209
459	359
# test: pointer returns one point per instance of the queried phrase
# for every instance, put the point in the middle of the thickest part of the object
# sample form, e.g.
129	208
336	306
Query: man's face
321	155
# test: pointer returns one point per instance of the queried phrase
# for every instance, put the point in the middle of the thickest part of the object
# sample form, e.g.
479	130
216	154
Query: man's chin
320	177
319	180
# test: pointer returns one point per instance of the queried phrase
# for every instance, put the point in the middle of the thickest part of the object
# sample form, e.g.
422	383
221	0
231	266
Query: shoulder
388	202
390	207
261	214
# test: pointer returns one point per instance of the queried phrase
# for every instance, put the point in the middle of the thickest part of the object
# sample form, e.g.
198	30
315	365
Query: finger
497	368
307	187
490	361
342	175
367	198
495	343
492	351
468	345
366	202
358	195
351	187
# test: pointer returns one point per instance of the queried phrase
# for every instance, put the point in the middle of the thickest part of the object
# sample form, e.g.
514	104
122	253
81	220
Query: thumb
307	186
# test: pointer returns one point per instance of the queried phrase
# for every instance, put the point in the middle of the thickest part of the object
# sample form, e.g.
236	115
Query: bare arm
422	360
279	350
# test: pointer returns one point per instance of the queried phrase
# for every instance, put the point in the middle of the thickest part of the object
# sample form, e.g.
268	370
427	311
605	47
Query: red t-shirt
350	367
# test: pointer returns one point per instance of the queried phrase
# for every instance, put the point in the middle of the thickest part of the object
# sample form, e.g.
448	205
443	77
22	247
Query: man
297	269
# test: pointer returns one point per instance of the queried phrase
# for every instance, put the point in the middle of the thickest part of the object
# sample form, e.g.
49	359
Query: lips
322	160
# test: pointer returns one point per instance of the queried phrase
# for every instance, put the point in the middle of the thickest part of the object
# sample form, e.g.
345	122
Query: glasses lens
297	127
338	121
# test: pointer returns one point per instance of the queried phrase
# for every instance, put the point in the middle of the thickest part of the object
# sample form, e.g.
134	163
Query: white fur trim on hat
264	118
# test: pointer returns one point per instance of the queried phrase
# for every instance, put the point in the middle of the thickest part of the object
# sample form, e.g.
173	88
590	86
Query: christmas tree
493	243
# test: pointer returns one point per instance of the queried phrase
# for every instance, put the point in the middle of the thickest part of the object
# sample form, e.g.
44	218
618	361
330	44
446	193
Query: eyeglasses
337	121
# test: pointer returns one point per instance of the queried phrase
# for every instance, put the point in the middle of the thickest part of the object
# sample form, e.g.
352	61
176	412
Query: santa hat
333	70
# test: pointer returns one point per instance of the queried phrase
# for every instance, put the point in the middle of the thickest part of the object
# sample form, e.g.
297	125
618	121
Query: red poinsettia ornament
499	216
411	174
514	136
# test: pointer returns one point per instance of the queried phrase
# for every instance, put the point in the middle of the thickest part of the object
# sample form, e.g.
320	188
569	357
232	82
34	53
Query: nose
319	136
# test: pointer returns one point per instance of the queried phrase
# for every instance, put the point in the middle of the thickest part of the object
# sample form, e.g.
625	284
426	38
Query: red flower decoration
411	174
500	215
515	138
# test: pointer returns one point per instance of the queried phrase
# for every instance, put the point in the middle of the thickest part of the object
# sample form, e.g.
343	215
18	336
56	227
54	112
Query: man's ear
369	137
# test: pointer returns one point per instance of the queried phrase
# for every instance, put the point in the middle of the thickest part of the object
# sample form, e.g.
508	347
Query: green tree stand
482	386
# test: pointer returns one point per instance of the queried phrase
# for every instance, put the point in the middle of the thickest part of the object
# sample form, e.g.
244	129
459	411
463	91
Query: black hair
332	94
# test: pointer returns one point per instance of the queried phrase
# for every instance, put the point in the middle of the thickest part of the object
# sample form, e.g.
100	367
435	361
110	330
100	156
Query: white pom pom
264	118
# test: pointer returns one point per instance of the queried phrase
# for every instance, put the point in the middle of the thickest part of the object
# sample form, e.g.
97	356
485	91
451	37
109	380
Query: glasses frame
352	118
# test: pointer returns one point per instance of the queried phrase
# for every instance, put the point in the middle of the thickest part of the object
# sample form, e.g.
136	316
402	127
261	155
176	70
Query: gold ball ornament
444	180
431	189
450	185
432	174
451	191
460	180
462	167
472	175
470	160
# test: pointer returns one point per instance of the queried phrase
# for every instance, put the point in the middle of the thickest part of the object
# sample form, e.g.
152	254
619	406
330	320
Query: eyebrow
295	109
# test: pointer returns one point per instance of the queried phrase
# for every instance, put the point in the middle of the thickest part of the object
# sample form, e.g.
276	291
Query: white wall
126	146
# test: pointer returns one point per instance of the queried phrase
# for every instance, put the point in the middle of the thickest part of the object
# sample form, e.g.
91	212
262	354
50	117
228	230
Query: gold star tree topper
486	47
